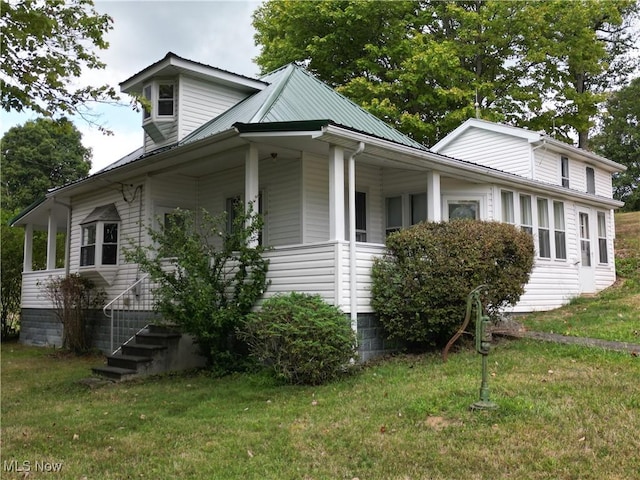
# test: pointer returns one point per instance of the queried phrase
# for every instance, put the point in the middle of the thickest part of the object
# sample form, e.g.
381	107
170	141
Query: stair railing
128	311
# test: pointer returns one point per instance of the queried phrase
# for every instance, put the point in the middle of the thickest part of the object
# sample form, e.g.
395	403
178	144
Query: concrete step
115	373
142	350
157	338
127	361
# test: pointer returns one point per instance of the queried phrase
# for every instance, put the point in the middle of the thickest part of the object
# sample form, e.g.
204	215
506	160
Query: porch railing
129	311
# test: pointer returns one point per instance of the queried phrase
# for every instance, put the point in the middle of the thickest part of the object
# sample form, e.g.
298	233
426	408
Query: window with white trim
231	206
564	171
603	254
402	211
99	238
160	96
526	218
508	214
591	180
463	209
559	232
393	207
544	241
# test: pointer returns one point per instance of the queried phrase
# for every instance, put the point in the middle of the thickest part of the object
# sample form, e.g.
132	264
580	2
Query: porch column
27	263
336	193
434	199
251	182
52	231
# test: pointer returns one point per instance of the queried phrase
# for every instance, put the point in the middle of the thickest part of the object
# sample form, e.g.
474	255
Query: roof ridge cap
273	96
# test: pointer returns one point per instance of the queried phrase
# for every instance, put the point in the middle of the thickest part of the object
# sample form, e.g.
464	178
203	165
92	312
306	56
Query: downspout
353	277
533	158
67	240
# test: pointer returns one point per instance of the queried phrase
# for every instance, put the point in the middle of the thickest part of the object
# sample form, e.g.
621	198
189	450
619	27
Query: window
418	208
603	256
394	214
526	219
231	206
564	171
507	207
585	240
147	94
88	248
591	180
559	230
161	99
544	242
165	100
463	210
361	217
99	238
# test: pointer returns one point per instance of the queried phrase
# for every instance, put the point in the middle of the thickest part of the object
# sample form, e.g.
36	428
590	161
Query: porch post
434	201
251	182
52	230
27	263
336	193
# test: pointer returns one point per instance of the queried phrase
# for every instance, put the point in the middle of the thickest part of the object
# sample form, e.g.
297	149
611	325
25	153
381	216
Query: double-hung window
564	171
506	198
559	235
544	242
603	255
526	219
393	207
100	237
160	98
361	217
591	180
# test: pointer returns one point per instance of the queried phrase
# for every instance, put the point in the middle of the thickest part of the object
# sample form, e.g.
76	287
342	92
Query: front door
585	233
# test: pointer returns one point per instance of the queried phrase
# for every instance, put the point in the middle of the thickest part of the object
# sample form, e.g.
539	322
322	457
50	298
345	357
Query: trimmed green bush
301	338
420	286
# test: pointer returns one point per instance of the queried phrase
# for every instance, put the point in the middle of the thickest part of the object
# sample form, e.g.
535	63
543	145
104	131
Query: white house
332	180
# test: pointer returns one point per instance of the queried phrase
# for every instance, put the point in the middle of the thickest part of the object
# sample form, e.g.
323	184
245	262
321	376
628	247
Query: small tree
208	276
421	284
74	297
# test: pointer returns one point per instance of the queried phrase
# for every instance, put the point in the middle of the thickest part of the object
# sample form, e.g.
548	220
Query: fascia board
590	157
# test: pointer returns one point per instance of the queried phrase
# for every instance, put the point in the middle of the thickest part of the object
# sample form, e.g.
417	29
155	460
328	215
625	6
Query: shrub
420	286
301	337
73	298
208	277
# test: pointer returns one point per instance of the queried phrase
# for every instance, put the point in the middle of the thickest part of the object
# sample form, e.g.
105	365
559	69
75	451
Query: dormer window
161	100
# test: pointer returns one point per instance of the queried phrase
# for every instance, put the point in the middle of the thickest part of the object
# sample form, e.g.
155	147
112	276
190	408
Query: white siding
495	150
202	101
280	184
551	285
315	201
547	167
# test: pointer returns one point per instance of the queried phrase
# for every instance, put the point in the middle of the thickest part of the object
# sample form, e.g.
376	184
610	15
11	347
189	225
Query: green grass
614	314
564	412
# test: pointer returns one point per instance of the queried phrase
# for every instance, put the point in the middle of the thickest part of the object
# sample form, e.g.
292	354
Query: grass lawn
565	412
614	314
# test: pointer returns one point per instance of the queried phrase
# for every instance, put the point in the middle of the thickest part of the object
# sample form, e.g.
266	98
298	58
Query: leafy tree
43	49
208	277
35	157
619	140
423	65
40	155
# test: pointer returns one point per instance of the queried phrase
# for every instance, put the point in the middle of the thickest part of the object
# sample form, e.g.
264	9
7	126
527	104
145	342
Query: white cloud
217	33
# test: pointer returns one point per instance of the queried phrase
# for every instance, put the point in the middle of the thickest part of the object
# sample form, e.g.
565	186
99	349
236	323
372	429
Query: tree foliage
423	65
44	47
619	140
420	286
208	276
40	155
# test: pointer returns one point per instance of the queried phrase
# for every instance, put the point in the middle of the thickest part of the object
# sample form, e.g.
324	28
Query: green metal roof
294	95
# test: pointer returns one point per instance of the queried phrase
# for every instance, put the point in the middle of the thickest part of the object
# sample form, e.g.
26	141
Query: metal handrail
118	301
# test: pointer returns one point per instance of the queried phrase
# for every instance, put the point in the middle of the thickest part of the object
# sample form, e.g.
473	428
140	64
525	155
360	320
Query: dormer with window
181	95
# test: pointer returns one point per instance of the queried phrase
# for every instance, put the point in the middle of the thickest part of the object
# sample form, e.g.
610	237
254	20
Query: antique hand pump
483	344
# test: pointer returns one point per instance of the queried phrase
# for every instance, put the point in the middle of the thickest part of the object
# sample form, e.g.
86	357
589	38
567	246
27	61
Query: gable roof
531	137
295	95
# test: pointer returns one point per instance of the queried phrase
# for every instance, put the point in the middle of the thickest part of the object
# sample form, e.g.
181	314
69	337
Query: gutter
353	276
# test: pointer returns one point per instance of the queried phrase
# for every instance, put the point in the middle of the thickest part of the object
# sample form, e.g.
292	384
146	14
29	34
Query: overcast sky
214	32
